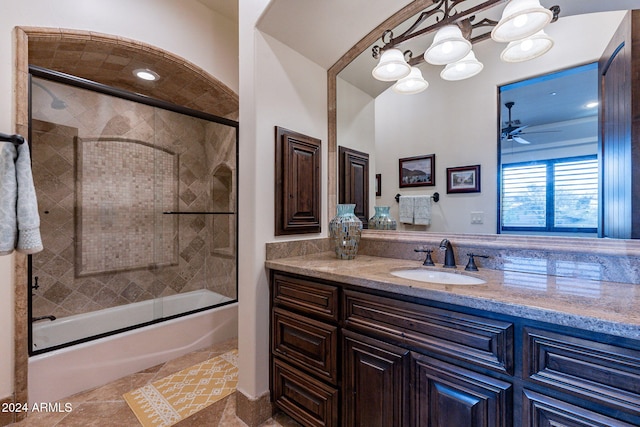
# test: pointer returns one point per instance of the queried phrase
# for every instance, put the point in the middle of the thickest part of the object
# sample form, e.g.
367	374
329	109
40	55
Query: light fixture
520	19
392	66
448	46
456	27
528	48
146	74
411	84
467	67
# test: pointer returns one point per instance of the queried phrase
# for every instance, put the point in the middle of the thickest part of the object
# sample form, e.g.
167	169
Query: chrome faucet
50	317
449	257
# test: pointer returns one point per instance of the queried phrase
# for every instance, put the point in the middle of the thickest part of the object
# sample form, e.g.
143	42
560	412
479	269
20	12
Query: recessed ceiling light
592	104
146	74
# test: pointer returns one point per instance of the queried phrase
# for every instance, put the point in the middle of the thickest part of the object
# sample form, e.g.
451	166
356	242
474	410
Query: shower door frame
79	82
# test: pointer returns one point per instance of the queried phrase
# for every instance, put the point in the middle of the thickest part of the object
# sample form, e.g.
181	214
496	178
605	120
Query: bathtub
61	373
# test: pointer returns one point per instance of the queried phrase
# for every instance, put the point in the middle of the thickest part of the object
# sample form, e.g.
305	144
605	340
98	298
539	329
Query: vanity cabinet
350	356
304	350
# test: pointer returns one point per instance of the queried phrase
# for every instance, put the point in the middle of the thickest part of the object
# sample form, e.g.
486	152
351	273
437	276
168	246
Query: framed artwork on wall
463	179
417	171
378	185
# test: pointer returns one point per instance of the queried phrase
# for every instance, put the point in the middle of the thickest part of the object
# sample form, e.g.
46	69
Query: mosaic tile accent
123	188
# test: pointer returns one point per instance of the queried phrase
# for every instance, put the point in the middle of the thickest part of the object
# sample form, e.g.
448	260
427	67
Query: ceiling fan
513	129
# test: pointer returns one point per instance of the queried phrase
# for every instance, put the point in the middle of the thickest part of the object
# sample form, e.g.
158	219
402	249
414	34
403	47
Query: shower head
56	103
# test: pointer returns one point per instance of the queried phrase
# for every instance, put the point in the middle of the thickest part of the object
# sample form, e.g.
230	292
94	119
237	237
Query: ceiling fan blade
520	140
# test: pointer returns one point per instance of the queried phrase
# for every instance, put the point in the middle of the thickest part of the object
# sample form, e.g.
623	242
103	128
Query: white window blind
576	194
524	196
551	195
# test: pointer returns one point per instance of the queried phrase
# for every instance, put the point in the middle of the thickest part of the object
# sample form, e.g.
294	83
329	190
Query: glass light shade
413	83
526	49
520	19
448	46
392	66
467	67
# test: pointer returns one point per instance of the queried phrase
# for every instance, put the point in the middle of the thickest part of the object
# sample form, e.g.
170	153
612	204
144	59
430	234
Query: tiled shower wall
190	251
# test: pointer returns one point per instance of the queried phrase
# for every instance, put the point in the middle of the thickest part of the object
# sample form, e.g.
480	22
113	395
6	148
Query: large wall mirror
461	121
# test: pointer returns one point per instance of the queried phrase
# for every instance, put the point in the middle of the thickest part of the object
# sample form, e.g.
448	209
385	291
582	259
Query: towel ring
435	197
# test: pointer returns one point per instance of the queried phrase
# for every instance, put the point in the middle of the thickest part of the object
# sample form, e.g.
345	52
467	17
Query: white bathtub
61	373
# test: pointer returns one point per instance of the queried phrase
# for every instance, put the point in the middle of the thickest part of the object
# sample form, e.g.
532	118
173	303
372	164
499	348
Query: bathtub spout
50	317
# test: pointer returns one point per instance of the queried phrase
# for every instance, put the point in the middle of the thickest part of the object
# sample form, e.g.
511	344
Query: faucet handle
427	261
471	265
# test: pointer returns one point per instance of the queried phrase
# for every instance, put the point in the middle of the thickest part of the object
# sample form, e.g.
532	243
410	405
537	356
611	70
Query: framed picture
378	185
463	179
418	171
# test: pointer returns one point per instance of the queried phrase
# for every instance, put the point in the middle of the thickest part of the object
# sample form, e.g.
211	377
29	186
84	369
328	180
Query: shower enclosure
137	201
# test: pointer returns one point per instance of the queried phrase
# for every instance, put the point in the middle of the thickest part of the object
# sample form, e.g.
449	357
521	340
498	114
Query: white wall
183	27
457	121
356	127
278	87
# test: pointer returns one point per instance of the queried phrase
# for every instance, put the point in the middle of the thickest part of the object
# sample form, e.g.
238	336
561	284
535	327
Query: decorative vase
345	230
382	220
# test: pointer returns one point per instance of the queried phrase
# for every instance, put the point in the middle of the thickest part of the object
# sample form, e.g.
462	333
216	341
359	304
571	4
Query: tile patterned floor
105	407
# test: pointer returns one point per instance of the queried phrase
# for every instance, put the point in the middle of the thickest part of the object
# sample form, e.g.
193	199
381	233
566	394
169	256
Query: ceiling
325	30
226	8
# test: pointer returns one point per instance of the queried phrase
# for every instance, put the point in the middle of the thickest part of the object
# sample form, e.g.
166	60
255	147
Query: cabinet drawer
306	343
305	399
306	296
605	372
539	410
485	342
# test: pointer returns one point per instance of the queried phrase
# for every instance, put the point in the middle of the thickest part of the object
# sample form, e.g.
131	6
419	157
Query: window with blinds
556	195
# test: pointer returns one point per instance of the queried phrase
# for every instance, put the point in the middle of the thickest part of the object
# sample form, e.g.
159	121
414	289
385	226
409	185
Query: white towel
19	218
422	210
406	209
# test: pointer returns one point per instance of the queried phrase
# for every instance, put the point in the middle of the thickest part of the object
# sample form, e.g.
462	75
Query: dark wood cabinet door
297	183
375	383
446	395
354	181
543	411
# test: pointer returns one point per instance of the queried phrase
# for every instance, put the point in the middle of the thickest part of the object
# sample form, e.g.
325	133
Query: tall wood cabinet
347	356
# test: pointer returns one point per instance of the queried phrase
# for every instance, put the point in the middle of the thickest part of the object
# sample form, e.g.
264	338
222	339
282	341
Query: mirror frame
610	247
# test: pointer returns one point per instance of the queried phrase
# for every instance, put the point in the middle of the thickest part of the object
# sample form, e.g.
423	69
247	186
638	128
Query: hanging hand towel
422	210
406	209
19	218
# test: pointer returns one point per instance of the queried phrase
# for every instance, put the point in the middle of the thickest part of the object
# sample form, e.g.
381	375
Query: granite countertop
598	306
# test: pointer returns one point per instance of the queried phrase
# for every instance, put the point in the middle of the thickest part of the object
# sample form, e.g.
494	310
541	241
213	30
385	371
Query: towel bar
16	139
435	197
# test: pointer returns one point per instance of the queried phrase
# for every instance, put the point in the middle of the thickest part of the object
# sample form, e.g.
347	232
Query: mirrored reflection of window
549	180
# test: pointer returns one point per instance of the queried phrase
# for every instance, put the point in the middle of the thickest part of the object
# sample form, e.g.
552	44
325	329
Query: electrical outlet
477	217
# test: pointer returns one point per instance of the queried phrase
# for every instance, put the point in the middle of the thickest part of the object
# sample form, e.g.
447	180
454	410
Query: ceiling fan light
527	49
392	66
520	19
412	84
467	67
448	46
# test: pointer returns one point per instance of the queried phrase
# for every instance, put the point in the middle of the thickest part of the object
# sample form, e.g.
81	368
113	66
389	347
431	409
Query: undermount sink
434	276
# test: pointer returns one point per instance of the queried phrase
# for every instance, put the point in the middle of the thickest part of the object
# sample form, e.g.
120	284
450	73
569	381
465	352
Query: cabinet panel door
375	383
543	411
297	189
446	395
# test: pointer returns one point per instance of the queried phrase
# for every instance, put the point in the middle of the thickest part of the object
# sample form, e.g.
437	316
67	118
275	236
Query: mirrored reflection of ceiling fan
513	131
